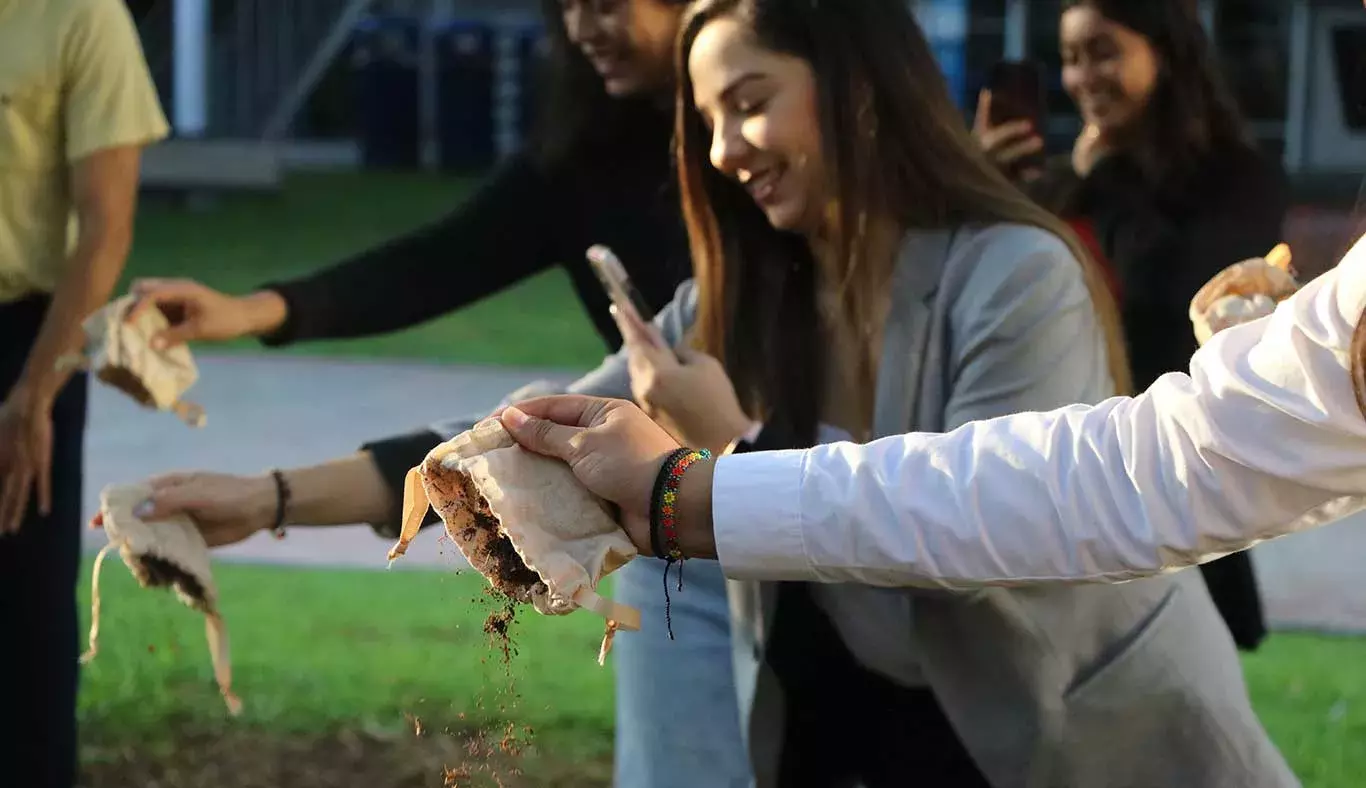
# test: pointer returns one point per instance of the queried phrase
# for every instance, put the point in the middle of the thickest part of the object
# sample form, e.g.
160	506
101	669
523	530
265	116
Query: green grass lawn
326	653
247	240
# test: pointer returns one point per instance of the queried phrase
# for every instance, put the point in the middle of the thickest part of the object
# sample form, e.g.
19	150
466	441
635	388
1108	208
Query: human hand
227	509
1091	146
687	392
200	313
25	457
1243	292
616	451
1009	143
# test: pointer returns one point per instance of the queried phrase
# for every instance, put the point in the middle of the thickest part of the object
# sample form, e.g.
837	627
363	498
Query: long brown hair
893	141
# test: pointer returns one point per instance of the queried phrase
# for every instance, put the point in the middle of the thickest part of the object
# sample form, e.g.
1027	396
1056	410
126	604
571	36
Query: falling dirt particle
452	778
151	649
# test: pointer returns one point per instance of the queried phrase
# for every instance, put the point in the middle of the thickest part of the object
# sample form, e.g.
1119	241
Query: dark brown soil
124	380
510	574
252	759
157	572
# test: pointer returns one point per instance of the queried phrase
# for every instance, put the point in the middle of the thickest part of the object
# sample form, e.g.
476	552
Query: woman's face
765	131
629	42
1109	70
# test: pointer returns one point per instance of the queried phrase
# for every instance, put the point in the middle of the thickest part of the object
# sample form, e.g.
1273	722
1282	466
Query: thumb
541	435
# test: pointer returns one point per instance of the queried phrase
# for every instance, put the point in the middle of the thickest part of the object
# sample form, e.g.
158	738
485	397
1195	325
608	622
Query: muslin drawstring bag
165	553
524	522
119	352
1242	292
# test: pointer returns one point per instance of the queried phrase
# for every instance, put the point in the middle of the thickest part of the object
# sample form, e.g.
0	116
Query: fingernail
143	509
515	418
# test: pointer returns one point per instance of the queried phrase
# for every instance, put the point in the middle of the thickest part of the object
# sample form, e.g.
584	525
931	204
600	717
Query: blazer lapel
915	279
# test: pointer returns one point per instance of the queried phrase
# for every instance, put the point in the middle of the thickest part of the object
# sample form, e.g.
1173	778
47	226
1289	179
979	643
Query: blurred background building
258	86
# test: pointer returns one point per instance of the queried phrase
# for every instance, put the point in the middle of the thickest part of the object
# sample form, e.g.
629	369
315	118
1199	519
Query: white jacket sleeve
1263	438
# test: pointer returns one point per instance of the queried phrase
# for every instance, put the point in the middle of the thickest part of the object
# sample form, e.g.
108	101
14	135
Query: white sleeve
1262	439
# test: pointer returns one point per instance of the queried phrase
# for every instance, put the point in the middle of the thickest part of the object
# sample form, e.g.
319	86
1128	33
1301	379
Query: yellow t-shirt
73	81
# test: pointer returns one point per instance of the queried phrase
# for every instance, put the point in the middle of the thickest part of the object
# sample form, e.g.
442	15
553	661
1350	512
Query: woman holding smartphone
1165	181
597	171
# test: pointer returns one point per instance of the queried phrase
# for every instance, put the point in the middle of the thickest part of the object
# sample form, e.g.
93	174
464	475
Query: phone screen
1017	93
612	274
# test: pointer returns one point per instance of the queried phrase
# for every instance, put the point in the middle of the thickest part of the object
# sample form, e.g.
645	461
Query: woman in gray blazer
956	301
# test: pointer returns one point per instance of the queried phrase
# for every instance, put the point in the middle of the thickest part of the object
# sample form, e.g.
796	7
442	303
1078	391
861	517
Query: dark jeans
39	644
846	725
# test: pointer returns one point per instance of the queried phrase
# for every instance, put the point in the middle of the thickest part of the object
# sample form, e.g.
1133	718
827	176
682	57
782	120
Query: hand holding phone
625	297
1010	117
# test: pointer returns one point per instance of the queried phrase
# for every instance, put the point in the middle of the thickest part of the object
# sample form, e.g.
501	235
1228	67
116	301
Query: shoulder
85	24
1004	267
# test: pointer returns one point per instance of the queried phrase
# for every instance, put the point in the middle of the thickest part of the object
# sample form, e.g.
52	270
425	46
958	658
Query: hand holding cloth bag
165	553
522	521
120	354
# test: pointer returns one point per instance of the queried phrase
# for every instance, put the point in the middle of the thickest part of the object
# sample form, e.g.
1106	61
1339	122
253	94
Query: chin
785	217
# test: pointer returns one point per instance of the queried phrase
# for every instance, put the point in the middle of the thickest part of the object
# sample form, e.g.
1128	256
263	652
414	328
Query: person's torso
1033	680
36	223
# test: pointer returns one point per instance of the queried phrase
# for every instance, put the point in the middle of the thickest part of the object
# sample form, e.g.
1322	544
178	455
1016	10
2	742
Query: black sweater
525	219
1163	245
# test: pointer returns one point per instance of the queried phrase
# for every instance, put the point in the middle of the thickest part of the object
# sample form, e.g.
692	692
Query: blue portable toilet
465	60
385	77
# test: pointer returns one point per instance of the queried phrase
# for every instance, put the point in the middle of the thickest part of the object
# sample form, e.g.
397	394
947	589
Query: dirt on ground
246	759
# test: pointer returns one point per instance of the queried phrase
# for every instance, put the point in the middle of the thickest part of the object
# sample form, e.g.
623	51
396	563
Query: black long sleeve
1165	247
507	231
393	457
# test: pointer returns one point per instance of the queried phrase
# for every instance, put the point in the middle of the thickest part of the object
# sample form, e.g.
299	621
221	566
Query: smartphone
1018	93
616	282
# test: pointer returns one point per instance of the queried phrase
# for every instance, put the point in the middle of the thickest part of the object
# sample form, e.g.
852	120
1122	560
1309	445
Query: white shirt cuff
756	506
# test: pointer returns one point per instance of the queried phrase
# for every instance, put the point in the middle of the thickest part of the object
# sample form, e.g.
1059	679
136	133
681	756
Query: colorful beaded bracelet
664	518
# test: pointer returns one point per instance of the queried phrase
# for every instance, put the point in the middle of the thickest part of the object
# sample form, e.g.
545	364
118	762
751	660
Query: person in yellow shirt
77	105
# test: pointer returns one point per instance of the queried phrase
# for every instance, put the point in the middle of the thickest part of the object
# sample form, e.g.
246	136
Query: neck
883	235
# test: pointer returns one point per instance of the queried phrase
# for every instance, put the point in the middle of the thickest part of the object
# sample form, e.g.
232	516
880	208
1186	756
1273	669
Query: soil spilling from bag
513	583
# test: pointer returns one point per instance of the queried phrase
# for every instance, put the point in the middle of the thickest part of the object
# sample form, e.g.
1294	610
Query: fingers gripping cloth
522	521
160	554
120	354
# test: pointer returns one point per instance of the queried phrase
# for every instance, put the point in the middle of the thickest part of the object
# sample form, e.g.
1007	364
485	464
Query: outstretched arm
1262	439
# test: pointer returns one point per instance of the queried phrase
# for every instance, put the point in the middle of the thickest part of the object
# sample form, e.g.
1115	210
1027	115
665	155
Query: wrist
265	502
266	311
33	395
695	536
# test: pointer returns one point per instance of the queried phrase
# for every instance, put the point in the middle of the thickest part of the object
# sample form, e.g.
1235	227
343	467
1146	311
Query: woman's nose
728	149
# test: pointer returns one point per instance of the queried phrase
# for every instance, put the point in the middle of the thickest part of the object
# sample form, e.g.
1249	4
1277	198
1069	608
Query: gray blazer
1094	686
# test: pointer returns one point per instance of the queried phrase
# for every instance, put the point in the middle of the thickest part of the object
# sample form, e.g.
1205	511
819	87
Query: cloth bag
120	354
522	521
161	554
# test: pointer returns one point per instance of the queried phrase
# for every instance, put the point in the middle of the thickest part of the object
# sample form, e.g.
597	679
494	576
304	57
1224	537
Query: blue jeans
678	721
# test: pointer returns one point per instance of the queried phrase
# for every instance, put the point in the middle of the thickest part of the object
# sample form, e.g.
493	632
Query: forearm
346	491
91	273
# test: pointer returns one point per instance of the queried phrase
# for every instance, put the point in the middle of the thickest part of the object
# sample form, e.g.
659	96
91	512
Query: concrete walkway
267	411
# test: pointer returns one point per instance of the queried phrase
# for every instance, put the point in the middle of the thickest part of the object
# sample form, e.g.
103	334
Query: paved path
269	411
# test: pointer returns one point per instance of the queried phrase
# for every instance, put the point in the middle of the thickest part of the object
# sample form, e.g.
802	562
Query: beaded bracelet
664	518
282	496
